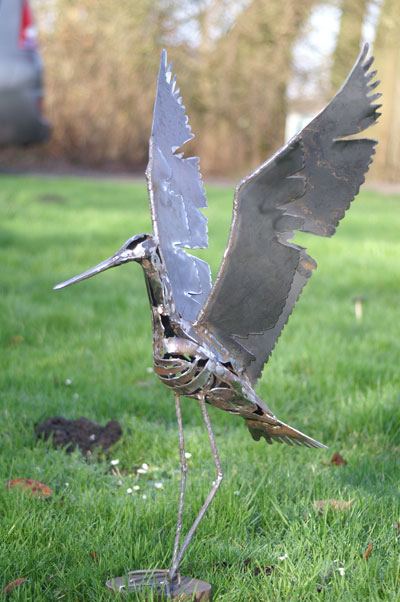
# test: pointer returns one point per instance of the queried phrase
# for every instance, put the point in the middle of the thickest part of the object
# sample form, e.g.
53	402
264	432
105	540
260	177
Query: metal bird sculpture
212	341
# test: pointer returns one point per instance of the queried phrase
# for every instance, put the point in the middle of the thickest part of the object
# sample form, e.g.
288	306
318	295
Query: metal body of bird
211	342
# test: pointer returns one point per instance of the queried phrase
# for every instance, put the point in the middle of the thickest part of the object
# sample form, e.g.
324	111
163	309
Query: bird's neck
165	318
167	322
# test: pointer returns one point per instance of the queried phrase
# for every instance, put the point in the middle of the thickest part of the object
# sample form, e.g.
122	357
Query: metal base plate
156	581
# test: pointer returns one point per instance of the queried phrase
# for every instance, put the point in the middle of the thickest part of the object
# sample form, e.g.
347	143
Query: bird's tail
281	432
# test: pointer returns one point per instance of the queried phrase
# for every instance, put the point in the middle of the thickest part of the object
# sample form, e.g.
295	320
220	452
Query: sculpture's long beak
132	250
111	262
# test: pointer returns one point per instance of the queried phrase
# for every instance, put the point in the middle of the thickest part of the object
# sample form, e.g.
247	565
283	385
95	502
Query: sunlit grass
333	377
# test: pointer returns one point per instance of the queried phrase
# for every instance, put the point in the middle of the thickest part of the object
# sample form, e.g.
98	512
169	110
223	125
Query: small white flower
188	455
136	487
149	370
158	485
144	497
114	462
141	471
68	382
76	395
119	482
145	466
92	437
129	490
341	571
236	492
283	557
66	484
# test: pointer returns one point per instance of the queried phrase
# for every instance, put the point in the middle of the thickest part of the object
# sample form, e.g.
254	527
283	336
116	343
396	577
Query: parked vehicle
21	81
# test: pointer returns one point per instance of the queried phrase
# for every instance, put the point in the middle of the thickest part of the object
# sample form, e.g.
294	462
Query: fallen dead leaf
265	570
257	570
337	505
94	554
337	460
397	527
51	198
16	340
14	584
217	566
36	488
369	550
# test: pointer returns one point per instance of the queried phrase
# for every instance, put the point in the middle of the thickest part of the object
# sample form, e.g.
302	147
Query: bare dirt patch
82	432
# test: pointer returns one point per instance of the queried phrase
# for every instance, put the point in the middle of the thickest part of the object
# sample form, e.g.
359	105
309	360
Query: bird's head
137	248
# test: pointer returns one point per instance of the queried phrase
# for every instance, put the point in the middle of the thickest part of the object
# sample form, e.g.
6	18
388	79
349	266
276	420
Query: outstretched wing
176	196
306	186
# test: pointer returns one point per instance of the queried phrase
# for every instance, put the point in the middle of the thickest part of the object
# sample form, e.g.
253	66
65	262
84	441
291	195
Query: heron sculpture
212	341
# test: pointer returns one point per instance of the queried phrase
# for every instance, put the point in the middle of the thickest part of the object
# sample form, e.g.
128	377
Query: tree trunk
387	51
248	72
348	42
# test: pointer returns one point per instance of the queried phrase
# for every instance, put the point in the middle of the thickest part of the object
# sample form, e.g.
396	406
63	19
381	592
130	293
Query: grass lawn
331	376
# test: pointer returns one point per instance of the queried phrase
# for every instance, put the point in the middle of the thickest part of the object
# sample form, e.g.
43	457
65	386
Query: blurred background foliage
244	67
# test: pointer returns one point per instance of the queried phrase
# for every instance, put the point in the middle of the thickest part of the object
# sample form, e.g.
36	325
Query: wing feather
176	197
306	186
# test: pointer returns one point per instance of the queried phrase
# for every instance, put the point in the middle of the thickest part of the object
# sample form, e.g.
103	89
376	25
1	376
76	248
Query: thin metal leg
214	489
184	470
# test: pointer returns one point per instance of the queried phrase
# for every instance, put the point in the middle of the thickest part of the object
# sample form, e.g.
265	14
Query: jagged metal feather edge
171	80
370	87
286	237
165	70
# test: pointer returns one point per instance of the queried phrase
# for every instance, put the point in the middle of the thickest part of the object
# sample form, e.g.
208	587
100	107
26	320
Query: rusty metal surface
307	186
184	469
149	581
215	486
211	344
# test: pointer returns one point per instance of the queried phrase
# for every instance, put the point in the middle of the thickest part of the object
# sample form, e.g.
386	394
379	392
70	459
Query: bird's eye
137	240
